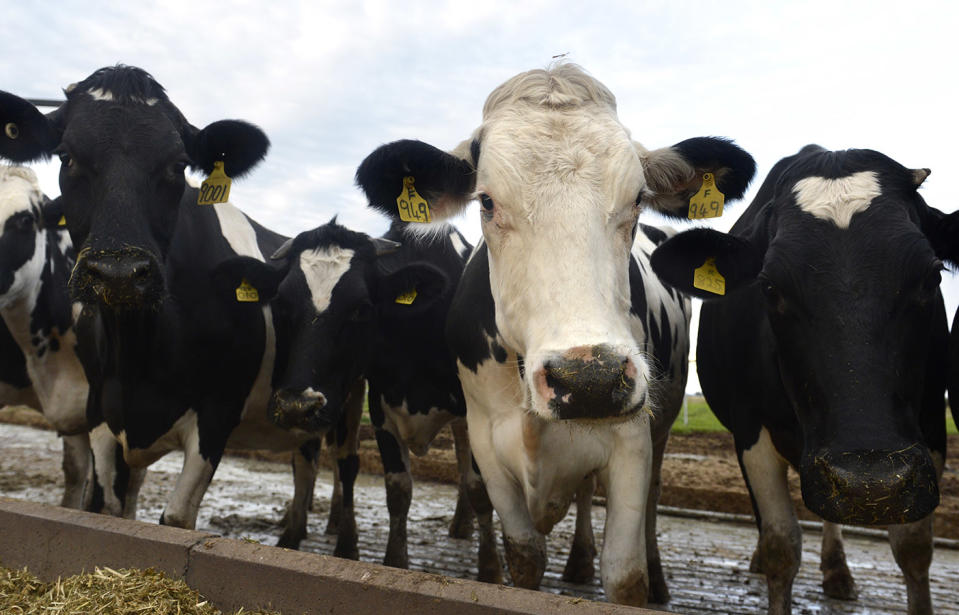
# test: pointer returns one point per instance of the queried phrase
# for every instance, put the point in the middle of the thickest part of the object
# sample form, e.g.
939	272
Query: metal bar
45	102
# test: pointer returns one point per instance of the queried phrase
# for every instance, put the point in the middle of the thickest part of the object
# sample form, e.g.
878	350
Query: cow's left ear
942	231
27	134
724	262
410	290
675	174
240	145
51	212
243	279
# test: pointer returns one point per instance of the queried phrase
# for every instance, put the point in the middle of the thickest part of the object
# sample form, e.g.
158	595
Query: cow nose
299	410
121	279
589	382
870	487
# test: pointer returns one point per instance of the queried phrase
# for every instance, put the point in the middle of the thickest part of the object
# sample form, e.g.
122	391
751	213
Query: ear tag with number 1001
707	277
413	207
216	187
245	293
708	202
407	298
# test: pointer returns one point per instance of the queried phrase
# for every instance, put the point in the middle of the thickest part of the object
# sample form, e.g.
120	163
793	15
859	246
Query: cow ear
408	169
263	278
942	231
240	145
735	260
51	212
675	174
410	290
27	134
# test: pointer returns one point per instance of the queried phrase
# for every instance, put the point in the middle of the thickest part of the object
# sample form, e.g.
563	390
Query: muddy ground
706	562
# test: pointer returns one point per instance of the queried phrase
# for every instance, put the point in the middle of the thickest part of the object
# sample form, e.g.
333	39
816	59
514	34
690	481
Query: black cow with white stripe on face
828	353
171	365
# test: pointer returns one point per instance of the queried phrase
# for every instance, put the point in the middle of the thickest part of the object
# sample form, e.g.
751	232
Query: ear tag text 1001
708	202
413	207
407	298
216	187
707	277
245	293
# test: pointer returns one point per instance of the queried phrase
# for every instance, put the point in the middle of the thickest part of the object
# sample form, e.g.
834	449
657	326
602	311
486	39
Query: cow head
842	259
328	291
22	240
123	147
560	185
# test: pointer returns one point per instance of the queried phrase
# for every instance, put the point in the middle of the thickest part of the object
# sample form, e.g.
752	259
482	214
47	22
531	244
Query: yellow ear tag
708	278
413	207
63	221
245	293
216	187
708	202
407	298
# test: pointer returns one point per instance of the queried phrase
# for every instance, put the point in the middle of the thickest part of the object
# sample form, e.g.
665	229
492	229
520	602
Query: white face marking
238	231
102	95
837	200
322	269
458	244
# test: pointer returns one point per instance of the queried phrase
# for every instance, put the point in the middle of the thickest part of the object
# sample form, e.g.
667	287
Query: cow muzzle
129	278
590	383
304	410
871	487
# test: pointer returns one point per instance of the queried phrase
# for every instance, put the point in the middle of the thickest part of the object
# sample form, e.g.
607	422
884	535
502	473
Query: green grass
701	418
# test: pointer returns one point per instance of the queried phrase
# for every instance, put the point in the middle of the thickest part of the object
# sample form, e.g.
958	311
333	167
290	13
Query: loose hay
103	592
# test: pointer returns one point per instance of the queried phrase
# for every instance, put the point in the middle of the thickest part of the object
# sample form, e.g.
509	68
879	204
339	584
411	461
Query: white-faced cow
171	363
828	353
40	366
563	336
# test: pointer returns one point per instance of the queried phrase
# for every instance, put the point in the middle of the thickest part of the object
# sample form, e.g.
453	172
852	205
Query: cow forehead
323	268
837	200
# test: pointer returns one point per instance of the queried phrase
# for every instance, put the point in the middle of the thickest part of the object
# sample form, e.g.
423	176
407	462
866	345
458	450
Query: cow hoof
462	524
756	563
631	588
840	585
290	540
579	566
397	561
658	592
346	552
526	561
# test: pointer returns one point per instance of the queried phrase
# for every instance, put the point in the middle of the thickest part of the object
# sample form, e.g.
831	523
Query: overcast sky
330	81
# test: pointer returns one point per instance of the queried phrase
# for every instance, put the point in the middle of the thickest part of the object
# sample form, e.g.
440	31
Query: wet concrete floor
706	562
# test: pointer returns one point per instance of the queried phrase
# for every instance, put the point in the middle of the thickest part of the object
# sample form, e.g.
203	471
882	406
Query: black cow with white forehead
171	364
828	353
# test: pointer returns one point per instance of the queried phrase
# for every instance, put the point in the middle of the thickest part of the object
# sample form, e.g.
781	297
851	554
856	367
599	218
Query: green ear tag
708	278
407	298
708	202
216	187
245	293
413	207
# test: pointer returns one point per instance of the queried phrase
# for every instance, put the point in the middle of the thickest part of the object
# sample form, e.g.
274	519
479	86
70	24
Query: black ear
264	278
736	259
942	230
410	290
444	180
51	212
675	174
240	145
27	134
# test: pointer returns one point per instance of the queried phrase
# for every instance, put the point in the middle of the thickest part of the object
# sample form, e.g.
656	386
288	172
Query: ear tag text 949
407	298
216	187
245	293
707	277
412	207
708	202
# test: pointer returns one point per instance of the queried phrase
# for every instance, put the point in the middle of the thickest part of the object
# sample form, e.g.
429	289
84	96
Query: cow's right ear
706	263
407	169
238	144
243	279
28	135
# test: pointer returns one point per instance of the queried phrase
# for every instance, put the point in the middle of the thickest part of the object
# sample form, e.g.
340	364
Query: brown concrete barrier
52	541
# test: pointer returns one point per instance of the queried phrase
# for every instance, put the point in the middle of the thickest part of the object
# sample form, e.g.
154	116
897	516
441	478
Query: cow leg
780	540
658	591
582	553
195	476
462	524
490	569
348	466
912	547
399	493
837	581
336	498
623	560
305	464
115	486
77	465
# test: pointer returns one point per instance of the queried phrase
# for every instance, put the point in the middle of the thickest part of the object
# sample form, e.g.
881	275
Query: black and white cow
40	367
563	336
828	353
171	364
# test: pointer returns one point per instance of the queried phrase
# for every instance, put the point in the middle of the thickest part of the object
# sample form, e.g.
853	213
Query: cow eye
487	203
66	159
774	298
